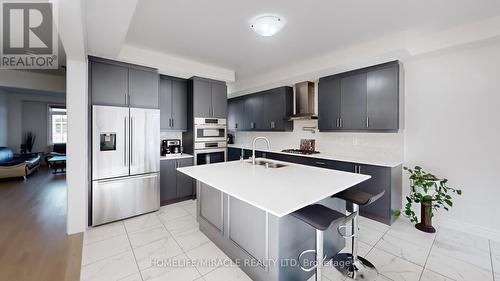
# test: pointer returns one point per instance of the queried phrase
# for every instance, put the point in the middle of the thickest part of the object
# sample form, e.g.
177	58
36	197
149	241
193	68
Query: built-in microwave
209	130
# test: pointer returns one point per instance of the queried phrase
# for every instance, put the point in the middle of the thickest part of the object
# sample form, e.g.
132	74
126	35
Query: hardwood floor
33	240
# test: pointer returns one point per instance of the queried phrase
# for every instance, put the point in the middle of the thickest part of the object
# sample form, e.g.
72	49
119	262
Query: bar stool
350	264
319	217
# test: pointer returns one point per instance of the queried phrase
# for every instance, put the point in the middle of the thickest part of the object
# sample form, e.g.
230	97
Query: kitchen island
245	210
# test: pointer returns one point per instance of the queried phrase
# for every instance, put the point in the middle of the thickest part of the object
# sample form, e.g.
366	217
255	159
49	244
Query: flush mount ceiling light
267	25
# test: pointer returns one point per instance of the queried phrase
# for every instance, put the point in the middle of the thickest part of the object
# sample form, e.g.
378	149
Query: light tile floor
137	250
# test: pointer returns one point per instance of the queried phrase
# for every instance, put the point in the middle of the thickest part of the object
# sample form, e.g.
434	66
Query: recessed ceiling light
267	25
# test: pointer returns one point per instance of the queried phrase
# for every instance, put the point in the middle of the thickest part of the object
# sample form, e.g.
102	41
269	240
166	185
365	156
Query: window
58	131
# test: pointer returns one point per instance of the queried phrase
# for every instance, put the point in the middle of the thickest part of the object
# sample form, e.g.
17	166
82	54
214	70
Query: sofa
17	165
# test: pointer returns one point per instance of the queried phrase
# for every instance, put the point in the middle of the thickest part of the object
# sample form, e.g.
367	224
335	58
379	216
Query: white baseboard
485	232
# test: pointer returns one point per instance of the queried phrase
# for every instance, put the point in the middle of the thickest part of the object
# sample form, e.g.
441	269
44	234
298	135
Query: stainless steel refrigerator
125	162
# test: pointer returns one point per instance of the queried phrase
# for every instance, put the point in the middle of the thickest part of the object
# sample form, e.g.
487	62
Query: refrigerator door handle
125	141
131	141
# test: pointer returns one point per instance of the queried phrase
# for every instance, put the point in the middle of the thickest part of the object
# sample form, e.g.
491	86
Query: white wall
3	119
368	146
16	113
452	129
77	146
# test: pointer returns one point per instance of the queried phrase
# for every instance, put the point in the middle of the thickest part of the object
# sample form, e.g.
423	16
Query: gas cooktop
299	151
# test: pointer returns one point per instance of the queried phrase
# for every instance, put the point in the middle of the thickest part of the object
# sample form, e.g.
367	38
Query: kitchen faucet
253	147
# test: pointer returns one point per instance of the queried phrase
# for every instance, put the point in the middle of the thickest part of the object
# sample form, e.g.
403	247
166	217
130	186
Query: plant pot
425	223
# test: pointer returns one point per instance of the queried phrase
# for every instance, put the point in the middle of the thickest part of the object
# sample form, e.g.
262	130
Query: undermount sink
269	164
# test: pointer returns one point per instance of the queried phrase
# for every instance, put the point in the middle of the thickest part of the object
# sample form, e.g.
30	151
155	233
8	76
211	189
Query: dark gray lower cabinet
174	185
382	178
168	182
233	153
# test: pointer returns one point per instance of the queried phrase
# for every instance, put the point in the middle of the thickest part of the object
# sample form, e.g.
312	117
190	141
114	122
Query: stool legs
352	265
318	267
319	254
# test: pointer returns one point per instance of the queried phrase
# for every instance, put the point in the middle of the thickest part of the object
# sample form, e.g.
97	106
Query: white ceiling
217	32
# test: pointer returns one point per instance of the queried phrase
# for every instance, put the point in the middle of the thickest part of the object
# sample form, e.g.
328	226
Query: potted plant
30	141
431	193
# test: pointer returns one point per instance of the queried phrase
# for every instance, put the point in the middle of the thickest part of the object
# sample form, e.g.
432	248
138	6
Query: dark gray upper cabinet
143	88
264	111
278	106
219	100
108	84
329	97
254	112
382	100
236	114
202	98
173	104
179	105
353	102
209	98
120	84
165	103
361	100
185	184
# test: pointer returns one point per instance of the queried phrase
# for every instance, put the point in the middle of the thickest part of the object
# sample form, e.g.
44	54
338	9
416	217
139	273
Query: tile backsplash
164	135
347	144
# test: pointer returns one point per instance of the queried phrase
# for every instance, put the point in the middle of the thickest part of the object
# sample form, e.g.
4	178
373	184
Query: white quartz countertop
376	159
279	191
175	156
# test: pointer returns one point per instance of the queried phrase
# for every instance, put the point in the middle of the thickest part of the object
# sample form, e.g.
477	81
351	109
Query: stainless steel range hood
304	102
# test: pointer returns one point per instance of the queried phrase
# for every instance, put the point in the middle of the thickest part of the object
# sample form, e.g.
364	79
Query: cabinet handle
367	122
337	122
341	122
173	122
252	125
236	125
272	125
320	163
359	169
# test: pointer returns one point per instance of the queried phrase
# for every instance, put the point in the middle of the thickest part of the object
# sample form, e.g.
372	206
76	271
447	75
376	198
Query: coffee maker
170	147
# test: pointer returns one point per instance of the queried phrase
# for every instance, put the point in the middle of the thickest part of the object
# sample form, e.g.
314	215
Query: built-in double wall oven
210	138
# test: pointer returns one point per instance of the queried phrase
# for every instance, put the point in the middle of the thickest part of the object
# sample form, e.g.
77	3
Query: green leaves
426	188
